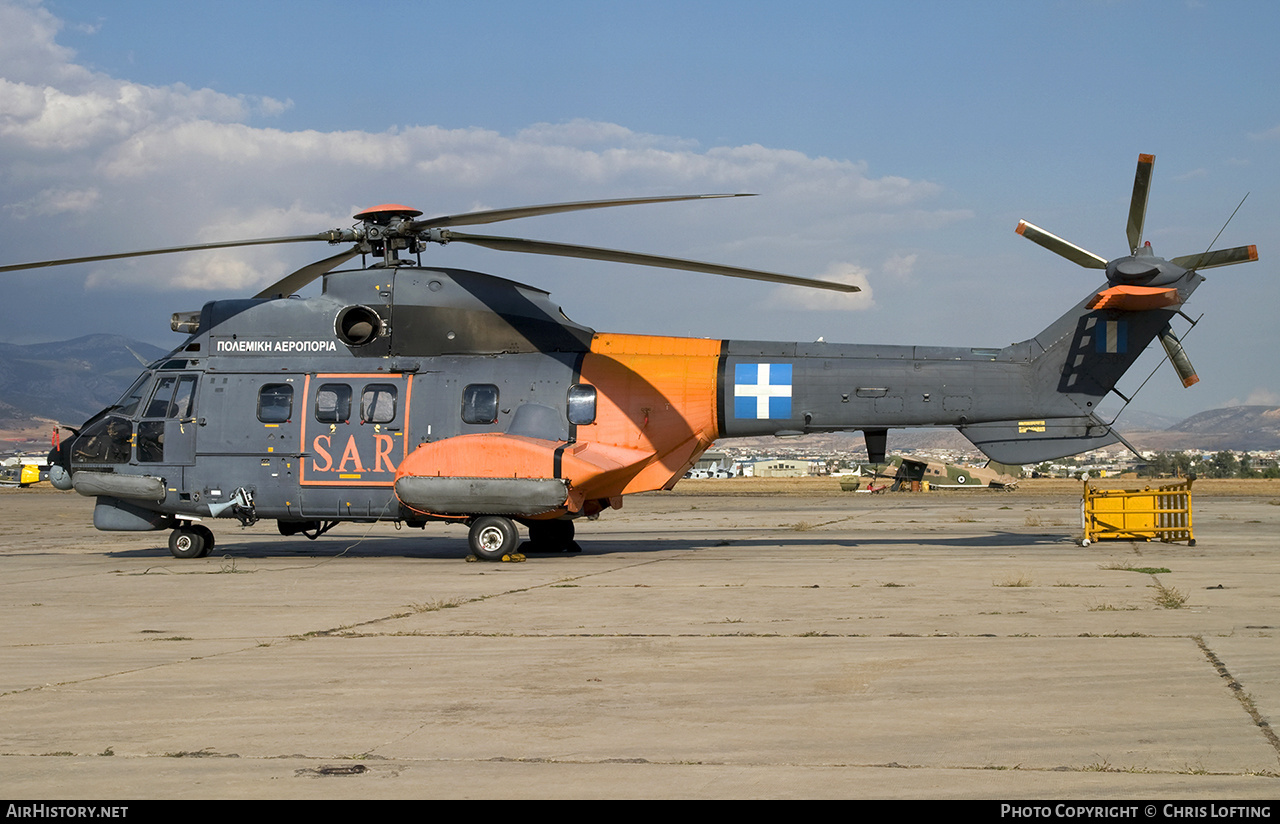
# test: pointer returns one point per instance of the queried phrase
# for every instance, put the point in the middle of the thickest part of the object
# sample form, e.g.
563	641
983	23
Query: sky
893	145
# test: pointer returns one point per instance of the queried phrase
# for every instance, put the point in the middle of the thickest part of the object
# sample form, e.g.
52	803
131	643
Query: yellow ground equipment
19	474
1138	514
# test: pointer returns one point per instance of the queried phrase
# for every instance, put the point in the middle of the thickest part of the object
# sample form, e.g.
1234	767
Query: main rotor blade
1222	257
290	284
542	247
1138	205
496	215
265	241
1057	245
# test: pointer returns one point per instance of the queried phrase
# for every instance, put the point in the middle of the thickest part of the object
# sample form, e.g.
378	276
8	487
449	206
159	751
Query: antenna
1228	223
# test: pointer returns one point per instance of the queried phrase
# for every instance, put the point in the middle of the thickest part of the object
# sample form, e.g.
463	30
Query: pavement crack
353	630
1237	689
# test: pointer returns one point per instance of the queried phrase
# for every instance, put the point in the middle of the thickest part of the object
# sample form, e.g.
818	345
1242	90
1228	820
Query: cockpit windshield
128	403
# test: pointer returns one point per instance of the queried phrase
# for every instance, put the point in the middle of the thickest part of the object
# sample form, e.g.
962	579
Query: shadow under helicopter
445	547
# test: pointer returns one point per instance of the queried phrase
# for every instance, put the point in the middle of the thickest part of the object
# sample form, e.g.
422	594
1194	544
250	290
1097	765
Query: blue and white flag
1113	337
762	390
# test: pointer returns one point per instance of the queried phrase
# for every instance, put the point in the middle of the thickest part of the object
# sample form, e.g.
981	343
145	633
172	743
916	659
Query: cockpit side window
174	398
184	397
163	396
275	403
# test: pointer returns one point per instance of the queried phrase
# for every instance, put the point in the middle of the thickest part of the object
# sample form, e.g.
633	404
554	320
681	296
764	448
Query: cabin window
275	403
582	404
480	403
378	403
333	403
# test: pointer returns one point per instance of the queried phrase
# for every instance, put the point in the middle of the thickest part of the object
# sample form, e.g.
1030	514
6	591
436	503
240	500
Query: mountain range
66	381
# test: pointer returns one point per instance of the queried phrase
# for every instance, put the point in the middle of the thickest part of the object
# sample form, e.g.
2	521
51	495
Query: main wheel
207	534
493	536
186	542
551	536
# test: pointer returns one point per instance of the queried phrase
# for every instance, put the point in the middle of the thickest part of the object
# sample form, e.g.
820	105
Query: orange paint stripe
657	395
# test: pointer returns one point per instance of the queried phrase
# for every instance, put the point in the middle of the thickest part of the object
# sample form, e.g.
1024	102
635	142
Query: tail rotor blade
1178	357
1222	257
1058	246
1138	205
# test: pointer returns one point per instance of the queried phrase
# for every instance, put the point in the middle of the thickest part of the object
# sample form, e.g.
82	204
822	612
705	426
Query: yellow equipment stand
1138	514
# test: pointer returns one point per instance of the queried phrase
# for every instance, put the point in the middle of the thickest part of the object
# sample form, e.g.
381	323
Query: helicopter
416	394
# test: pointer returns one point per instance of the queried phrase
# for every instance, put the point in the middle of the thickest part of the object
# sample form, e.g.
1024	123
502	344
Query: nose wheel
492	537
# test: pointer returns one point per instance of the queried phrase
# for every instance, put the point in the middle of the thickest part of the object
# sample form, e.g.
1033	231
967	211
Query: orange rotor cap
387	210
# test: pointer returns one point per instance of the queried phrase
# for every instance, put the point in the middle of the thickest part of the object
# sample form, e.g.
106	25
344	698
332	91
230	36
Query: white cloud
55	202
50	104
30	53
585	134
1263	397
900	266
140	166
165	166
819	300
243	270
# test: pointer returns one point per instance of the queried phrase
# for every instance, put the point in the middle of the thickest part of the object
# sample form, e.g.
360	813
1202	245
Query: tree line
1224	464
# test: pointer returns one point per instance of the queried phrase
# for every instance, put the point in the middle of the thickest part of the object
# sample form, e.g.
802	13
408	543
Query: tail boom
1028	402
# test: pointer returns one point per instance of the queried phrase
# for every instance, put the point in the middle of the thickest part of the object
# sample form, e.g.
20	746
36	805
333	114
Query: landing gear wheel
550	536
187	542
492	537
207	534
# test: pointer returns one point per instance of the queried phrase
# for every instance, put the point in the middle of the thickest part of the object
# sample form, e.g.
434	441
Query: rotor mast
387	229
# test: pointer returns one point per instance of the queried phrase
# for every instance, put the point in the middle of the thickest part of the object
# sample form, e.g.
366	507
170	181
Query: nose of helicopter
59	474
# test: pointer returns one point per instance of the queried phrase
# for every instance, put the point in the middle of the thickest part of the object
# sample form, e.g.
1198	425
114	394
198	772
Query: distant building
783	468
716	460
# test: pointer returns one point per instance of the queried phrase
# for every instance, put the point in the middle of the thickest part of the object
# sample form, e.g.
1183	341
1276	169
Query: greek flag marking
762	390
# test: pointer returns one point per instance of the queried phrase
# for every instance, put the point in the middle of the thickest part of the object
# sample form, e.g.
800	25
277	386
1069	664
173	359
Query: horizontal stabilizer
1033	441
1135	298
